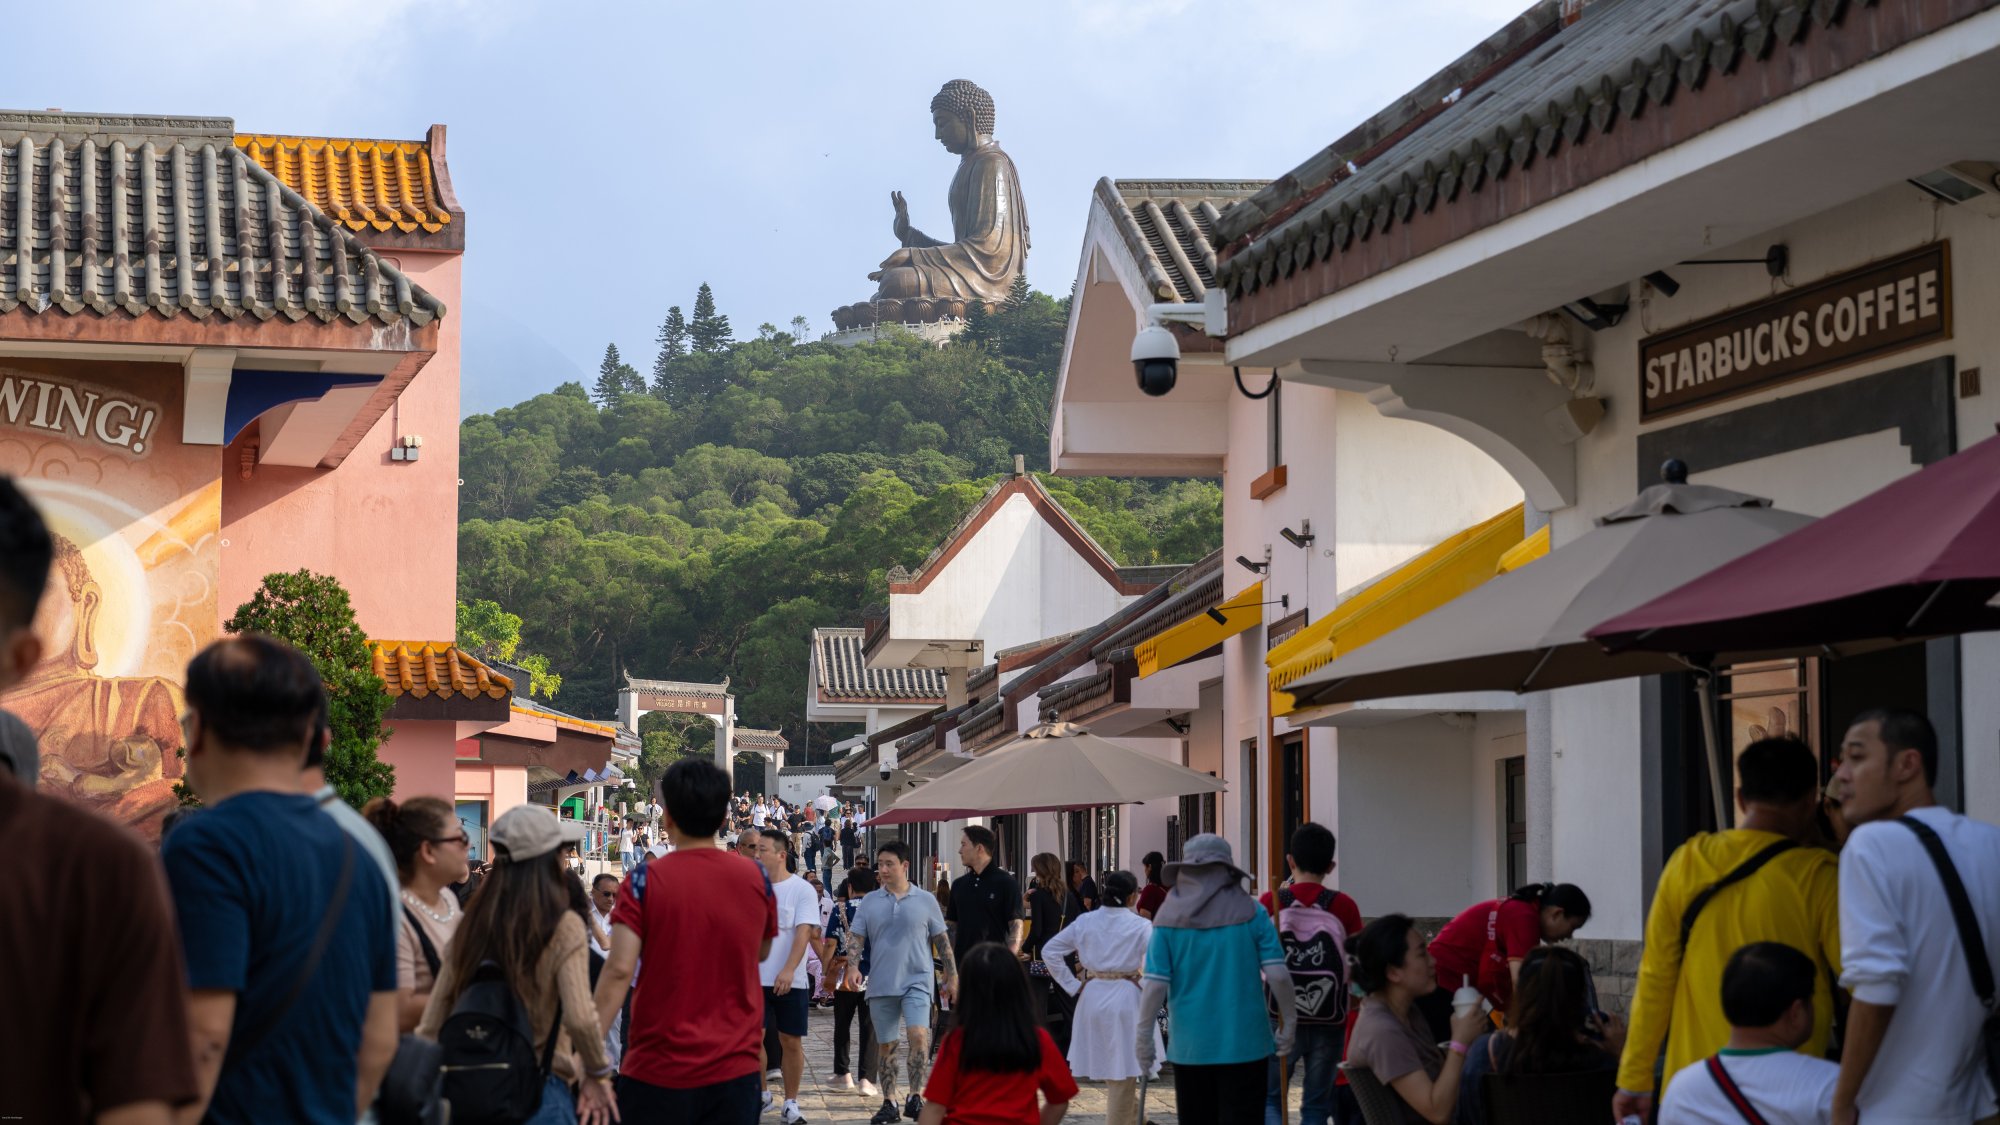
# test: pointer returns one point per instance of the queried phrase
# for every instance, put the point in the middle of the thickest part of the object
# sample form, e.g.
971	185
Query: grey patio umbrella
1524	630
1053	767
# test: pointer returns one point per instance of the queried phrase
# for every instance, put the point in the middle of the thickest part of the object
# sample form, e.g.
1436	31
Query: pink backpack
1315	954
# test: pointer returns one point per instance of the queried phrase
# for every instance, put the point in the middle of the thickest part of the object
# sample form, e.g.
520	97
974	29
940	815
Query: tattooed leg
920	1057
885	1069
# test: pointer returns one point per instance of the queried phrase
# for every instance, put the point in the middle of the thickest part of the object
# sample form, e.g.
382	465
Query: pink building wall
387	529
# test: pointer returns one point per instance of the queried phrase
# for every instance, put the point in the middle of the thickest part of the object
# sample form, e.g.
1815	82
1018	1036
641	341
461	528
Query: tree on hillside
312	612
673	342
709	330
615	379
801	329
491	633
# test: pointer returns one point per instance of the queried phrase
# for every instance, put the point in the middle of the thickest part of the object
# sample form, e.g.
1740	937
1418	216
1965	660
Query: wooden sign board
1888	306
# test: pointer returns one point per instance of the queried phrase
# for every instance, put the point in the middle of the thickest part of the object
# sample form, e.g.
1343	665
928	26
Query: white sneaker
768	1103
868	1089
842	1082
792	1116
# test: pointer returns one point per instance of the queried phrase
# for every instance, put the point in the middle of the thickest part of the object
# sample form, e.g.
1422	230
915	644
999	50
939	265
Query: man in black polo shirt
985	901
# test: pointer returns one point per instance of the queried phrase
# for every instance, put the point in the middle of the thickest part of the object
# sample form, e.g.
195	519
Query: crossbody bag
1735	1095
1970	940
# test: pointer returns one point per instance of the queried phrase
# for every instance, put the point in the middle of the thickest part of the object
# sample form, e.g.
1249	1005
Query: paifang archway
713	701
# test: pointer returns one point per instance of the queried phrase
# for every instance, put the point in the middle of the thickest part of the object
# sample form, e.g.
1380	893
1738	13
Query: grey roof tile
845	677
1169	226
135	215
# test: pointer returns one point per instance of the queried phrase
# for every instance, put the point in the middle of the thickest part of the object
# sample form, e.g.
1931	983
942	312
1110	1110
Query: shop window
1514	822
472	816
1770	699
1246	780
1012	831
1292	788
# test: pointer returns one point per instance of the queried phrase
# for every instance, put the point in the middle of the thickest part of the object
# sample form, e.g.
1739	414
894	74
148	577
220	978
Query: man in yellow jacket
1790	895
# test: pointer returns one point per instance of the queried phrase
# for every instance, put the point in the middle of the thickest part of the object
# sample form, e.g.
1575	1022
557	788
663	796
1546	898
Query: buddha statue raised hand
989	222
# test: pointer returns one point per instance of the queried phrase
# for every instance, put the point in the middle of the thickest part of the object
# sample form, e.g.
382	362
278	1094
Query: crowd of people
282	957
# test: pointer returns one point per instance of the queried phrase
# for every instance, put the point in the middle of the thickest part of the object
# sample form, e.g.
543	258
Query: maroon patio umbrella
1919	558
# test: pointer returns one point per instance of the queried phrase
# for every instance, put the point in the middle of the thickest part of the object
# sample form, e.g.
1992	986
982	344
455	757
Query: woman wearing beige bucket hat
521	921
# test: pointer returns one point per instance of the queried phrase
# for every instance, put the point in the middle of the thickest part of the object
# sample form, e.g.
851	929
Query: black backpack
491	1076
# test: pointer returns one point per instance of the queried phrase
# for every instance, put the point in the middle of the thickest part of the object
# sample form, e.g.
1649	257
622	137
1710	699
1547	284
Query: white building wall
1406	826
1015	582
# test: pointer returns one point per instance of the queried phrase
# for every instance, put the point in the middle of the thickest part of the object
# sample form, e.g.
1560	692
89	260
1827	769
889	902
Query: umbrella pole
1705	691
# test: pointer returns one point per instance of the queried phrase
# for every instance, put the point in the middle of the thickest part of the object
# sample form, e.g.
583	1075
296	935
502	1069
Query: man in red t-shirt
703	918
1310	856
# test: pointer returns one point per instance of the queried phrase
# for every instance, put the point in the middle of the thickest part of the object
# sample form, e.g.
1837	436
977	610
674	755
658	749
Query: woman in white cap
1110	942
521	921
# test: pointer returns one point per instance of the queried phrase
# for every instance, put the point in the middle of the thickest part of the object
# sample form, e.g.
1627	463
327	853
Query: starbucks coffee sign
1888	306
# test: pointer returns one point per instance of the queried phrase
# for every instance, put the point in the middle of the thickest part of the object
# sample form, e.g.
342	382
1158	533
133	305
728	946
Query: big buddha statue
933	279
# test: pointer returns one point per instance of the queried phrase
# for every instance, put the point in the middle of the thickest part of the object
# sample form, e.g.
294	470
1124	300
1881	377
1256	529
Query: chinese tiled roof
428	668
1194	590
562	719
1541	88
1169	225
132	215
364	184
750	739
677	687
844	677
1069	693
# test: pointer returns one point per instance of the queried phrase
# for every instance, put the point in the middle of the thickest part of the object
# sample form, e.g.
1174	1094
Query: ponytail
1566	897
408	826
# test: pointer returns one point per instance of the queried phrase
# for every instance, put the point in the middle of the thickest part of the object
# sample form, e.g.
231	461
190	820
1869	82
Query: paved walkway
824	1105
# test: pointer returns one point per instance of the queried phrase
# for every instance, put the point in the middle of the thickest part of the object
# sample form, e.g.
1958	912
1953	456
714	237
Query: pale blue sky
611	157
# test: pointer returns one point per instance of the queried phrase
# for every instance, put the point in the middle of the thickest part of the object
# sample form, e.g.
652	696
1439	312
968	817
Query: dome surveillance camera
885	773
1156	359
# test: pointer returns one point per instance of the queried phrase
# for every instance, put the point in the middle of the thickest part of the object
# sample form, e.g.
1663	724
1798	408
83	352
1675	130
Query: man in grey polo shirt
901	932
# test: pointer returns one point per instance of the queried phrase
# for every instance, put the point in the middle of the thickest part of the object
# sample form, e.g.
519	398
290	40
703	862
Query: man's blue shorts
891	1013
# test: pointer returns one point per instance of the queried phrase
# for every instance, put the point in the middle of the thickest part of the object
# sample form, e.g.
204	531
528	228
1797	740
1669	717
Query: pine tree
709	329
615	379
673	339
1019	293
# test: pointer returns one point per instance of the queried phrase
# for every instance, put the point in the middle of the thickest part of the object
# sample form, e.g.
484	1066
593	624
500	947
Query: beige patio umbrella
1524	630
1052	768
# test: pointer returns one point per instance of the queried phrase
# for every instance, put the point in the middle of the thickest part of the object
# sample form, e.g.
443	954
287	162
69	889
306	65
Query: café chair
1379	1104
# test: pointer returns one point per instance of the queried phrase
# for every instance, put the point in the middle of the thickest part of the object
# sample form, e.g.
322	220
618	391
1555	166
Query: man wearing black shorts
783	971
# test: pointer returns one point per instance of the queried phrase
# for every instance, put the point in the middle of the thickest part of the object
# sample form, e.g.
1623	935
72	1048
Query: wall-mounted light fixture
1251	565
1178	726
1664	282
1302	538
1595	315
1775	261
1216	615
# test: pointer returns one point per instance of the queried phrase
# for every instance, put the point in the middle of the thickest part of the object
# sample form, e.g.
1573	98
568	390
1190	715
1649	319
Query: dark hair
1566	897
322	735
1118	888
861	879
255	692
996	1018
981	836
1903	729
1762	980
1154	863
895	848
1380	946
602	876
408	826
1777	771
694	791
25	553
510	919
1312	848
1550	1012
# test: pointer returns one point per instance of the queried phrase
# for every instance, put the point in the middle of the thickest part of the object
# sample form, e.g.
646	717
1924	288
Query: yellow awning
1451	568
1198	634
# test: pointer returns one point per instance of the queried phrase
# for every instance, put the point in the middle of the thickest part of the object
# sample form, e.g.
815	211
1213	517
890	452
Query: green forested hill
699	522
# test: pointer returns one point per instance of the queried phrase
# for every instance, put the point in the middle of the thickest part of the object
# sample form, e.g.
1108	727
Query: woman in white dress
1110	943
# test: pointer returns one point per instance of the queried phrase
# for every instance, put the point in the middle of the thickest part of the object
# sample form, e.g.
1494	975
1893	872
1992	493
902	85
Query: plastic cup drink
1464	1000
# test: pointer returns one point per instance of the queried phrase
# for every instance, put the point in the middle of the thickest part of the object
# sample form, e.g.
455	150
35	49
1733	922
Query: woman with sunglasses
432	852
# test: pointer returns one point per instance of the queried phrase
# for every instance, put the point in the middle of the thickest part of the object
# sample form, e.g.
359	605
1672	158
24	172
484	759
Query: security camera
1156	359
885	773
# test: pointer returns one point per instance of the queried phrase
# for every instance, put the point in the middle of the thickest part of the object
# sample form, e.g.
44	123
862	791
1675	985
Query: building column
1539	718
770	773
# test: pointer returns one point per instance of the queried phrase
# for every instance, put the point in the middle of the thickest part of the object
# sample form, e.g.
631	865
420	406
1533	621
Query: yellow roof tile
378	185
426	668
